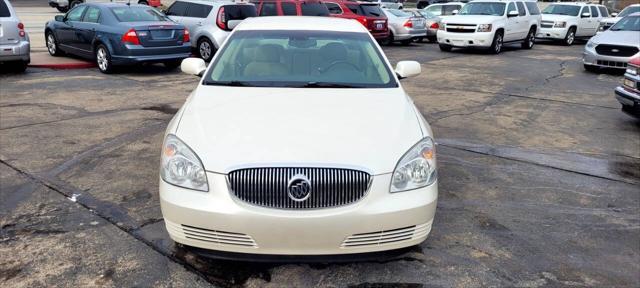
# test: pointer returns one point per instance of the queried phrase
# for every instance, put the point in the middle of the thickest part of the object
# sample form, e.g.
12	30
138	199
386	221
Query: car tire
445	47
52	44
206	50
74	3
143	2
530	40
432	39
62	9
173	64
103	59
496	45
389	40
21	66
591	68
570	37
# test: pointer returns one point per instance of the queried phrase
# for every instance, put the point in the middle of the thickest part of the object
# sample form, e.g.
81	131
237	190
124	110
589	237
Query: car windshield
629	10
399	13
137	14
629	23
571	10
310	59
425	14
483	8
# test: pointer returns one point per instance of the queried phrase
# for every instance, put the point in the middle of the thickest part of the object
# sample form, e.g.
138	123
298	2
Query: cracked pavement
539	180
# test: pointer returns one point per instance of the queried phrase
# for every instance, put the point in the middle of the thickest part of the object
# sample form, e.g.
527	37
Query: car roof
446	3
502	1
214	2
573	3
301	23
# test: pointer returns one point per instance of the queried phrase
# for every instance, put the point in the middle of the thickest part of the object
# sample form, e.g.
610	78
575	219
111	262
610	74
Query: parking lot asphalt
539	180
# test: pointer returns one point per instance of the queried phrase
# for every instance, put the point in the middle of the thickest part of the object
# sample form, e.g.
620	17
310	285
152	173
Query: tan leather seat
266	62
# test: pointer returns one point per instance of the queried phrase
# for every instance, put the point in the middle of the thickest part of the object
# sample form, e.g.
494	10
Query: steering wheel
334	63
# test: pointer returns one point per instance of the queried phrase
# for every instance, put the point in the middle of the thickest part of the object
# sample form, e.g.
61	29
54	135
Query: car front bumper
463	40
552	33
591	57
19	51
630	101
216	220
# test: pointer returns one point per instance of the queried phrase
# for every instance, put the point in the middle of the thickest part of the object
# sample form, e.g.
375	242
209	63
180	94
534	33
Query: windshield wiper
327	85
234	83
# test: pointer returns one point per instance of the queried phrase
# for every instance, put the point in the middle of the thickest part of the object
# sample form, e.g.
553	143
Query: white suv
209	23
567	21
489	24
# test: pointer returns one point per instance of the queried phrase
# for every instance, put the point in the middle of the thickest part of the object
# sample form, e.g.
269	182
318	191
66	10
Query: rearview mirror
586	15
193	66
512	14
59	18
406	69
455	12
614	14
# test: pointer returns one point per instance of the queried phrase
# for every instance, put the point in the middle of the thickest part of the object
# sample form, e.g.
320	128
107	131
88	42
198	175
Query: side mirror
614	14
59	18
512	14
405	69
586	15
455	12
193	66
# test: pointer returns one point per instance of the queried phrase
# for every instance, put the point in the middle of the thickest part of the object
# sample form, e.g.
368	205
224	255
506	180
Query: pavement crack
469	111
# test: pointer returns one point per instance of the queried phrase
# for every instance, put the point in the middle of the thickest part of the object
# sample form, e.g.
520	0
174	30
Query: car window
92	15
398	13
315	59
196	10
137	14
603	11
288	8
629	10
313	9
448	9
333	8
594	12
521	10
533	8
178	8
630	23
435	10
369	10
239	12
76	13
4	9
558	9
585	9
268	9
511	7
485	8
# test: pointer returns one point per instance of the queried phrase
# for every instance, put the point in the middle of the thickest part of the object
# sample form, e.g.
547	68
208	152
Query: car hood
628	38
553	17
233	127
475	19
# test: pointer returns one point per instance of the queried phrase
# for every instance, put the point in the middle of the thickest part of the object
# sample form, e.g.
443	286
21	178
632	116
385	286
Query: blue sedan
118	34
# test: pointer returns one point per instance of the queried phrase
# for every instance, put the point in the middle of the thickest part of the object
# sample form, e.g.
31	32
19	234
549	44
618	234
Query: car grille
212	236
546	24
330	187
616	50
461	28
387	236
615	64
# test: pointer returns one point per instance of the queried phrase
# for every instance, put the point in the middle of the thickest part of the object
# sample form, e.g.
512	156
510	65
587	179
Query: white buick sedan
299	140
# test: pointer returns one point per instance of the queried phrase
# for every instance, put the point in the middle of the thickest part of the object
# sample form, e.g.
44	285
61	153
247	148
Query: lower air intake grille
212	236
387	236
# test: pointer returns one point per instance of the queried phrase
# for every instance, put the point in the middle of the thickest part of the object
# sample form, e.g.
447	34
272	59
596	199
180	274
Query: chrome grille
267	187
546	24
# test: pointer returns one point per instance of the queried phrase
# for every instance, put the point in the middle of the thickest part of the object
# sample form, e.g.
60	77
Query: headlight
180	166
559	24
441	27
591	44
633	70
417	168
484	28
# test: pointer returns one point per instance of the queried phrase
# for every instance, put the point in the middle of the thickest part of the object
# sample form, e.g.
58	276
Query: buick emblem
299	188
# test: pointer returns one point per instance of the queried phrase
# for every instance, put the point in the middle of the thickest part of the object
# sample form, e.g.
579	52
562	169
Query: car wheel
52	44
143	2
571	37
103	59
173	64
206	50
445	47
496	45
531	39
388	40
591	68
74	3
62	9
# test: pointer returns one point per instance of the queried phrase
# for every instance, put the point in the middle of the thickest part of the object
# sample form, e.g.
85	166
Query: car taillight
362	20
131	37
220	20
408	24
434	25
186	37
21	28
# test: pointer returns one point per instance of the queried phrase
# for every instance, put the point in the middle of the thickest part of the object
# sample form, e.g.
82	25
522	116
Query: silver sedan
615	47
404	27
432	23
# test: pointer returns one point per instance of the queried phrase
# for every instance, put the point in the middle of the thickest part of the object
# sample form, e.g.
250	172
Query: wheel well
500	30
573	27
98	42
534	27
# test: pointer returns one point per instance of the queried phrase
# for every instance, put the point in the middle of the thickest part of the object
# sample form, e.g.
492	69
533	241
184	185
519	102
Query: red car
367	13
290	8
628	94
